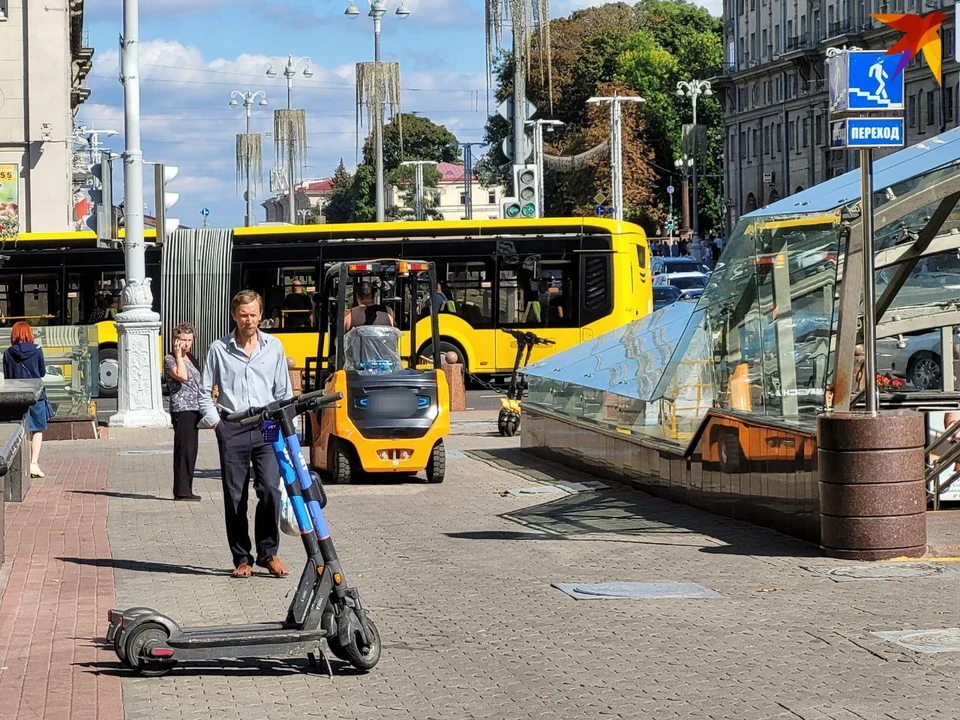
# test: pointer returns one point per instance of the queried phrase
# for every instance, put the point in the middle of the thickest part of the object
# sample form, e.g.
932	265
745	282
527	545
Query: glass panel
470	286
70	356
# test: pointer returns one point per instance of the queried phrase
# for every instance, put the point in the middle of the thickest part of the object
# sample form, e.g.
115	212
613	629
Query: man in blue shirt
249	369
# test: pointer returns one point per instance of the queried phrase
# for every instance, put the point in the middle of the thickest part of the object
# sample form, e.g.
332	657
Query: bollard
454	372
872	492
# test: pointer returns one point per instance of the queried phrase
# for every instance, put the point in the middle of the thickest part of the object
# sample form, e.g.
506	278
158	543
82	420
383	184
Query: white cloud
186	120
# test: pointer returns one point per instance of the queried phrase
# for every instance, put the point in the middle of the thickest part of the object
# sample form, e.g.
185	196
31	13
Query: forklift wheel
342	470
437	464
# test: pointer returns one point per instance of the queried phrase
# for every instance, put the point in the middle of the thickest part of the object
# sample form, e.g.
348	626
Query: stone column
140	399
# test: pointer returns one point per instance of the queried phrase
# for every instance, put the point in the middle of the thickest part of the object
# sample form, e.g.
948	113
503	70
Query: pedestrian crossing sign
864	81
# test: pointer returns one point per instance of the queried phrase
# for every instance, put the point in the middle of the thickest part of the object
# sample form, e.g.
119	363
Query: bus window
538	293
469	285
287	294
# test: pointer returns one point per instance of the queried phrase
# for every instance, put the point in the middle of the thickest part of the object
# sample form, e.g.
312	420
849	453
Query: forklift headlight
422	402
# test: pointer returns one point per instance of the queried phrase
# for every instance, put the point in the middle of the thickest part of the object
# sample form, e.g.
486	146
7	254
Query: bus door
538	293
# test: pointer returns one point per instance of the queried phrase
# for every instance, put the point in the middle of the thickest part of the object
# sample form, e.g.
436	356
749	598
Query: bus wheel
109	371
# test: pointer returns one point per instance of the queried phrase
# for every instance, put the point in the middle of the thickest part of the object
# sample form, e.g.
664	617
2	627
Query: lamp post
378	8
538	126
248	98
693	90
140	401
290	69
684	166
616	149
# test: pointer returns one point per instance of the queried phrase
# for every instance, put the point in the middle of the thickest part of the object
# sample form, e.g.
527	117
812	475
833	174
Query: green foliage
640	50
340	205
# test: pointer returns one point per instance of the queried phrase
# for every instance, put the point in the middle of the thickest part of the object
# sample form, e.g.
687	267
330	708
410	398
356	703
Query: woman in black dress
184	372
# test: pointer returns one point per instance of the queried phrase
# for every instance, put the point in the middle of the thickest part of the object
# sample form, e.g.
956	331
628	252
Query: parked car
670	265
664	295
682	280
915	358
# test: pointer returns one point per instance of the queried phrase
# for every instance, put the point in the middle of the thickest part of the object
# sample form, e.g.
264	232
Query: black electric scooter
323	607
508	421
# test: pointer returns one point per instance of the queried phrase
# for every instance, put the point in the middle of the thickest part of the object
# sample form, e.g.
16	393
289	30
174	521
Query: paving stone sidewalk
459	579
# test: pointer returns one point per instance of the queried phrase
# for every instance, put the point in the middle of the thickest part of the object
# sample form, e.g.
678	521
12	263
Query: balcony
838	29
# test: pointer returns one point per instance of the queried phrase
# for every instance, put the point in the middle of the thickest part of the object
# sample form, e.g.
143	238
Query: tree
404	179
340	205
422	140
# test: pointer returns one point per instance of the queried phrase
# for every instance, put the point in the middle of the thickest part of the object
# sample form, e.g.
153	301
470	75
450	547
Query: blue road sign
599	210
205	212
867	132
669	189
863	80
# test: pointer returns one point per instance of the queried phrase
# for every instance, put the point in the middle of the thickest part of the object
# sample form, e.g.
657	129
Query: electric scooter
508	421
323	609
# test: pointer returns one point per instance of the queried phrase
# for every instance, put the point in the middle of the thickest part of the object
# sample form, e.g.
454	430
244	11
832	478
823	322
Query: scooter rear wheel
135	643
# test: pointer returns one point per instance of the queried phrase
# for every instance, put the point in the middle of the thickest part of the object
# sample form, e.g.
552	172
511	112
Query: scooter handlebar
304	402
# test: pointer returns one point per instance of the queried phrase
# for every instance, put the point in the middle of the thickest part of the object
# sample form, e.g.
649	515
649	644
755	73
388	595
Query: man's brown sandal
243	570
274	565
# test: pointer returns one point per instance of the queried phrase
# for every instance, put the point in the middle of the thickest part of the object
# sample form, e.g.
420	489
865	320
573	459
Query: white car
682	280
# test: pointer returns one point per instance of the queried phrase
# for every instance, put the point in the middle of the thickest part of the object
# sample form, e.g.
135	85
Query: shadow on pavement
626	515
123	495
257	667
144	566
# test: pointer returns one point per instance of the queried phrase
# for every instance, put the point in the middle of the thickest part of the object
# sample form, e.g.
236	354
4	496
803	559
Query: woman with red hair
24	360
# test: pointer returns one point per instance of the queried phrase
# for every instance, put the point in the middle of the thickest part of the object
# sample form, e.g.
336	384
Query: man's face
297	287
247	317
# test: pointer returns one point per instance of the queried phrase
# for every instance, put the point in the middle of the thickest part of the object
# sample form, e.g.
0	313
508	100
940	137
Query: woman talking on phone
184	372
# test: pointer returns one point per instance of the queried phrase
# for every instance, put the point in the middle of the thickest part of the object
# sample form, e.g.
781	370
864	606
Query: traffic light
509	208
164	200
104	220
526	188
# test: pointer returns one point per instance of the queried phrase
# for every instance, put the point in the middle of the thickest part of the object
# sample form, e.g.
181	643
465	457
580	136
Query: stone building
774	91
44	63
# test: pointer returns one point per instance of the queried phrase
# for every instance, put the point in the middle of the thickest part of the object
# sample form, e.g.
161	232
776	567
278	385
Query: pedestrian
24	360
249	369
184	372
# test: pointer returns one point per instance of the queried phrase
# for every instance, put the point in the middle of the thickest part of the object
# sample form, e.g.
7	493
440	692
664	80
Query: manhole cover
145	452
636	591
925	641
883	571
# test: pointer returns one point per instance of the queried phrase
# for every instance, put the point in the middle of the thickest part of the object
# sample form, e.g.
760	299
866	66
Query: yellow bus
567	279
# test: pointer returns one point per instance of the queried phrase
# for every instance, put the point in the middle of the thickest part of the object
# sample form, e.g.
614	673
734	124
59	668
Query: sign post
862	82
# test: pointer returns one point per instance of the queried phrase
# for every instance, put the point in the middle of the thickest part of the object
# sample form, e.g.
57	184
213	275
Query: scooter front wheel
363	659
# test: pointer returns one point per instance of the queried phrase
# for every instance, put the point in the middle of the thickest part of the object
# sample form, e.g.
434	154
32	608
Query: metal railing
934	469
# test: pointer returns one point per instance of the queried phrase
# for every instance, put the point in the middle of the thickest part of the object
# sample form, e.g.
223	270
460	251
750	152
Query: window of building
767	93
776	39
803	28
763	42
818	132
779	137
919	111
912	111
789	31
754	51
463	198
491	197
816	27
780	88
743	145
806	132
766	140
948	103
755	146
753	4
948	44
931	108
791	135
740	51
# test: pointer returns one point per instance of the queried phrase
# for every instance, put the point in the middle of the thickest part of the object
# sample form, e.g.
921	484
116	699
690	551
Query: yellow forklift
395	410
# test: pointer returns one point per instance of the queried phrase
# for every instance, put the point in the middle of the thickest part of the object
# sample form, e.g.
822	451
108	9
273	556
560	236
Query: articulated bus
567	279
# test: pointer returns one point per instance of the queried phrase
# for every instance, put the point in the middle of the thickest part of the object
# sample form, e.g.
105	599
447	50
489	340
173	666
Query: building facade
310	199
449	198
44	63
773	88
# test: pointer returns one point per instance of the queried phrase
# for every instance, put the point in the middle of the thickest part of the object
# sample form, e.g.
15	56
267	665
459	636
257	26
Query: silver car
915	358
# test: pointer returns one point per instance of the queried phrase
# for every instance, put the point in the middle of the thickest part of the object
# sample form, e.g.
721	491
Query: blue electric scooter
323	609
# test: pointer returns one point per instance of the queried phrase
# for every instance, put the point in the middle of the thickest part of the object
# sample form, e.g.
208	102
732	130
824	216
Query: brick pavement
458	577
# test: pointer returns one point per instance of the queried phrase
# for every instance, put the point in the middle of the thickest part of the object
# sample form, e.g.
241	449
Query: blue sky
195	52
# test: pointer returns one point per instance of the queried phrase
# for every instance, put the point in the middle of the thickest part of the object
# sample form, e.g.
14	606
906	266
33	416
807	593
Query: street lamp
378	8
693	90
290	69
248	98
616	147
538	126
